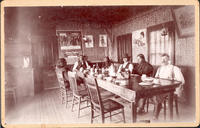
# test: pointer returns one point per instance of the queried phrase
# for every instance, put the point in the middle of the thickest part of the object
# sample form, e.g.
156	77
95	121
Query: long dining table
133	91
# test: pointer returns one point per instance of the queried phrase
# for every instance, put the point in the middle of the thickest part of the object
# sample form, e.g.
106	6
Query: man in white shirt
81	63
171	72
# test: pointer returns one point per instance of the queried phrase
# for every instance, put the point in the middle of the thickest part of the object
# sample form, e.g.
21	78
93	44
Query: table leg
171	95
134	111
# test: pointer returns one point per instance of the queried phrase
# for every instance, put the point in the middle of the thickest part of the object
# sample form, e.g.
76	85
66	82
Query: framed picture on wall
139	44
185	20
88	40
103	40
69	40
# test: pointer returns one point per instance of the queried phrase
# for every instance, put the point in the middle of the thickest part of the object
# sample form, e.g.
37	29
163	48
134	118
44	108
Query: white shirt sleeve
87	65
157	72
178	75
120	67
130	68
75	66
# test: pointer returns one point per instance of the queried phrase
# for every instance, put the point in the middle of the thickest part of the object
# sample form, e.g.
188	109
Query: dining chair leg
61	96
92	115
79	104
123	115
102	118
66	98
164	109
87	103
176	105
147	104
110	117
73	103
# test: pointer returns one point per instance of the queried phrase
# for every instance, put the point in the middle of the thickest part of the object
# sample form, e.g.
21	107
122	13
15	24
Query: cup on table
156	81
143	77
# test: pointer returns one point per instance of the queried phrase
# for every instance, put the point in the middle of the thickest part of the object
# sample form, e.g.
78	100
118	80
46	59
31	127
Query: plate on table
134	75
149	79
121	82
146	83
109	79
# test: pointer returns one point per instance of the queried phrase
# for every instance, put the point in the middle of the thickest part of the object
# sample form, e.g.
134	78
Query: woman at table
108	66
126	67
171	72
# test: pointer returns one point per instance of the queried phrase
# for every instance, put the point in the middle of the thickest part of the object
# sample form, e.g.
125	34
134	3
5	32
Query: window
124	43
159	43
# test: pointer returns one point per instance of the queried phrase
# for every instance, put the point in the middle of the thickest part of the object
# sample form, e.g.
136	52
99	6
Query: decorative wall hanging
139	38
139	44
185	19
103	40
88	40
69	40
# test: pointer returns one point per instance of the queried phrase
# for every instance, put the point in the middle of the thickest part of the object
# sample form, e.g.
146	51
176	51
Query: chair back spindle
72	81
94	93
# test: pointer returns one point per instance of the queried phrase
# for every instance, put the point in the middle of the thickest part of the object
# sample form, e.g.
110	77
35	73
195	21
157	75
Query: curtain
124	46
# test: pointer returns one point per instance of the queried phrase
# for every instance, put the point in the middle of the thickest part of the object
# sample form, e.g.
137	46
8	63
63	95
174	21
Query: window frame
171	27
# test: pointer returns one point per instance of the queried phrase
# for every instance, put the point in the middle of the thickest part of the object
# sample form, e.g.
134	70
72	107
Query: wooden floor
46	108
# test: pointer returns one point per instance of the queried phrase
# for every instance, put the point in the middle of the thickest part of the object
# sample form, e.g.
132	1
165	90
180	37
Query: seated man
62	67
141	68
167	71
81	63
106	63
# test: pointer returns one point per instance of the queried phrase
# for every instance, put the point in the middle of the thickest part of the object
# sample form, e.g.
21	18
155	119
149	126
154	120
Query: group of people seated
142	67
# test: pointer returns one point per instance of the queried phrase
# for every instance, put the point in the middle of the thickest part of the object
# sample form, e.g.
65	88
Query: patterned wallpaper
184	46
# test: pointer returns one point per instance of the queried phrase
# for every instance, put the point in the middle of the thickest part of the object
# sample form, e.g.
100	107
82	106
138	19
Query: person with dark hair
142	68
126	66
142	34
171	72
81	63
61	66
107	62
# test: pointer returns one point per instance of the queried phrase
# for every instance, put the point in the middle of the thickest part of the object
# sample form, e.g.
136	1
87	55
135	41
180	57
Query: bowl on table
146	83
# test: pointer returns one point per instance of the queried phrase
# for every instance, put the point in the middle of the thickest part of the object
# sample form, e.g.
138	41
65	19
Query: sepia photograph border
20	3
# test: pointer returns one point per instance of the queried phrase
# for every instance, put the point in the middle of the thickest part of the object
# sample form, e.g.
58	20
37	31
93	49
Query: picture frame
69	40
185	20
103	40
89	42
139	44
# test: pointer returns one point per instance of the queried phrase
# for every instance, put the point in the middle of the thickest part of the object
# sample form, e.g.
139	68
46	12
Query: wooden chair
165	104
101	106
79	95
64	87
